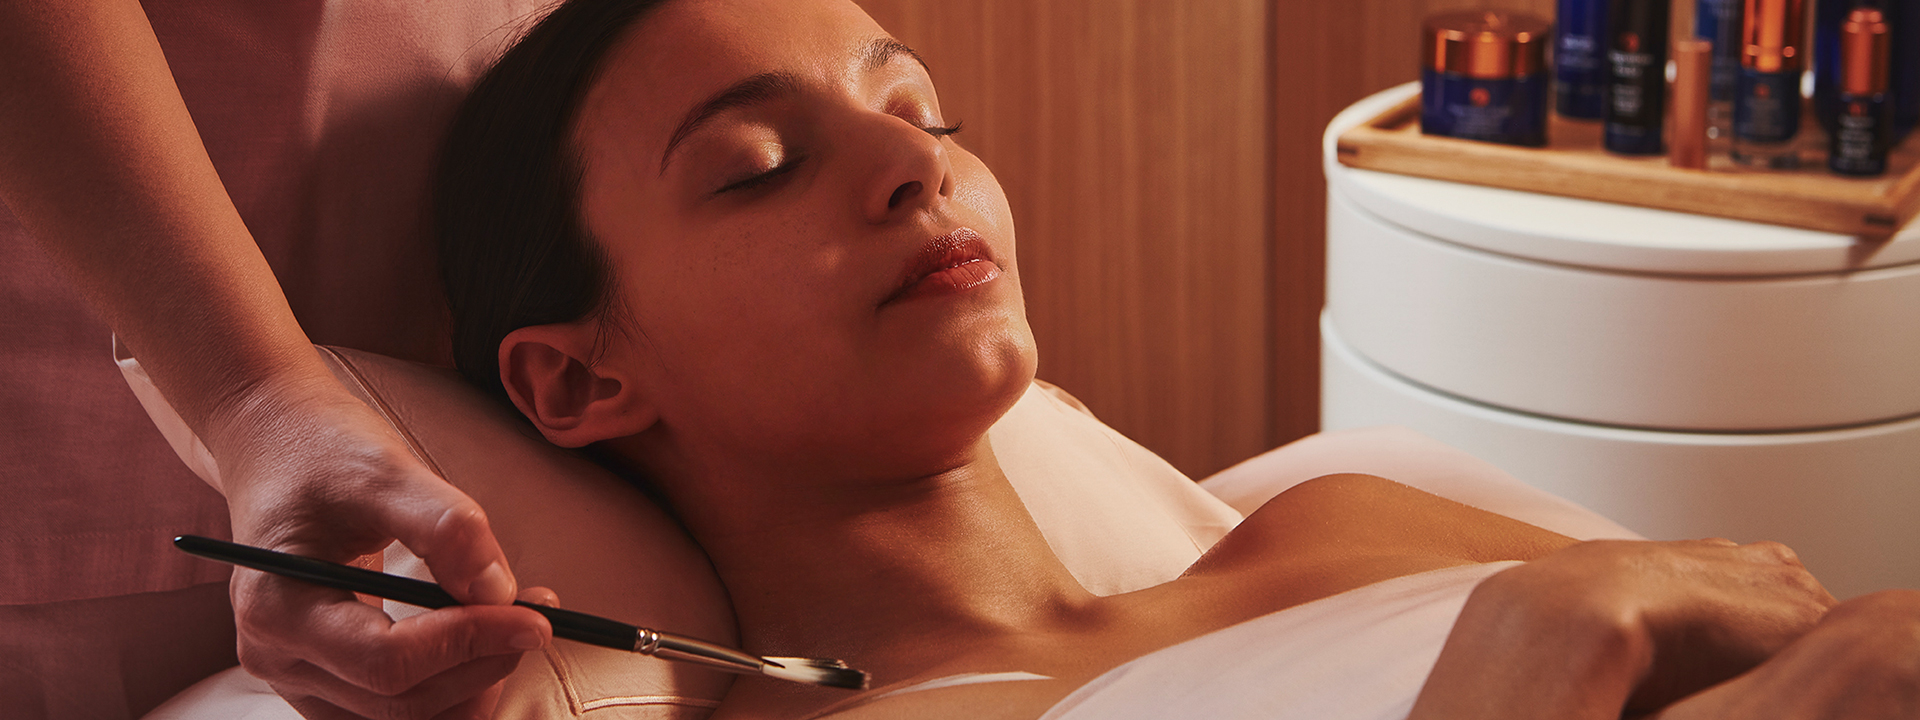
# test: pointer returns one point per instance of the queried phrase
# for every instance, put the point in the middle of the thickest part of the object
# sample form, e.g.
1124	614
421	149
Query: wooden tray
1573	165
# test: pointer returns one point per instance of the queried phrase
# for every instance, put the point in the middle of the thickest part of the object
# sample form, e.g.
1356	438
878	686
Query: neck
893	577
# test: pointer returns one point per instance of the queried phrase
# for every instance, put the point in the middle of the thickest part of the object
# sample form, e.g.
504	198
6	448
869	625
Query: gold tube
1687	140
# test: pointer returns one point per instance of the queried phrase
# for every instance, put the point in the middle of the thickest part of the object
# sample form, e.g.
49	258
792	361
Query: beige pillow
1119	517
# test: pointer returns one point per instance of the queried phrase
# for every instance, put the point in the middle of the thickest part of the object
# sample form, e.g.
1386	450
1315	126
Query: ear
573	402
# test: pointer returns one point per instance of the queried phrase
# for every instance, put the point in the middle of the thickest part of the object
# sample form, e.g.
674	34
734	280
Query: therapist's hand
1703	610
1862	662
1600	627
309	470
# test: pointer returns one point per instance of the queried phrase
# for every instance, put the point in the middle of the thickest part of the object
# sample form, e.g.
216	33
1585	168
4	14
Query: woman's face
808	265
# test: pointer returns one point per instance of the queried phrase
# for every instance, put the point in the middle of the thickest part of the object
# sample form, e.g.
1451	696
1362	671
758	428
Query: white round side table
1688	376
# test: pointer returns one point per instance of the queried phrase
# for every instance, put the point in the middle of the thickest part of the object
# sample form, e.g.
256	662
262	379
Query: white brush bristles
814	671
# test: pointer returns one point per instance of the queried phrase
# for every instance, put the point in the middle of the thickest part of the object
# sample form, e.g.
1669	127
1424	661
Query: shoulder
1354	522
1380	514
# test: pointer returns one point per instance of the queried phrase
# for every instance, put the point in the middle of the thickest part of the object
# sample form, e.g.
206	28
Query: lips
954	262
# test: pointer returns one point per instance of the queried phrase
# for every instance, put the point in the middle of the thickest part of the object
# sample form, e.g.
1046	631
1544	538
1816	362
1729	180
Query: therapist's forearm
100	161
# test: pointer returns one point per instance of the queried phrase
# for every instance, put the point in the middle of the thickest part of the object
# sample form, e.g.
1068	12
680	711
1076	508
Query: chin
944	404
997	362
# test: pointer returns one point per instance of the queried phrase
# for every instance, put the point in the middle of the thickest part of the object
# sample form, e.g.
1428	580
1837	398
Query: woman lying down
734	243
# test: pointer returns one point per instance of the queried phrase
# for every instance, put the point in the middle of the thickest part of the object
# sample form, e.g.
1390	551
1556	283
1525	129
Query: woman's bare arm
101	162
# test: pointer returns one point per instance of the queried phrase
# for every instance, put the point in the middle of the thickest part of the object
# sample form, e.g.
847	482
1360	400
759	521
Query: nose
910	170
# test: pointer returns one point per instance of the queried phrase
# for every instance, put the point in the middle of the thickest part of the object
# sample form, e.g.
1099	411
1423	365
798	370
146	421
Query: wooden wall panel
1133	139
1326	55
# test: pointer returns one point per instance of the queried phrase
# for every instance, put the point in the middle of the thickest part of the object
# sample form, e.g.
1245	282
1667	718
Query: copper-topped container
1863	129
1774	32
1865	47
1486	44
1766	99
1484	77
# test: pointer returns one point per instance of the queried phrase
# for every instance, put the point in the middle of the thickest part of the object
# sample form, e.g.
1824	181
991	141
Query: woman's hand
1862	662
1605	626
309	470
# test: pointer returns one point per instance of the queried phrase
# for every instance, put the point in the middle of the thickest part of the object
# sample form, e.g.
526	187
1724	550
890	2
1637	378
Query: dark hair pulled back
513	250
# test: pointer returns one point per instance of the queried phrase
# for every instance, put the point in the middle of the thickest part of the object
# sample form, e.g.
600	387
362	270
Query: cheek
720	303
976	189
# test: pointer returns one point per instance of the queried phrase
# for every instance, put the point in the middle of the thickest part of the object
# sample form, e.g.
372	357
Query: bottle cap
1485	44
1774	30
1863	53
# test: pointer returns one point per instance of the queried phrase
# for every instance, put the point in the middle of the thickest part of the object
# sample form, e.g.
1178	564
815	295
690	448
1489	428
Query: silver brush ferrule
675	647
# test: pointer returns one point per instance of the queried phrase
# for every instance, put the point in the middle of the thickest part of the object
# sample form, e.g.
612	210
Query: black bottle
1636	75
1863	125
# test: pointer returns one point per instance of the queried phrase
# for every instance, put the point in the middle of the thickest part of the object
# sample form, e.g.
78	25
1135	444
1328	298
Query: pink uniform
322	118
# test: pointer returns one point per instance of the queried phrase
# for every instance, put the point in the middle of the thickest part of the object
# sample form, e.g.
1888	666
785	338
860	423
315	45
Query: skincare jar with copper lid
1484	77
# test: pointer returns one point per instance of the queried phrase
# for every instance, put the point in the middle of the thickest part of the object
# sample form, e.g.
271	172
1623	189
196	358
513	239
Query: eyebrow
769	86
751	91
882	51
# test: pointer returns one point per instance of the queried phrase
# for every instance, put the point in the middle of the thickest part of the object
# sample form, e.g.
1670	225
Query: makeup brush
567	624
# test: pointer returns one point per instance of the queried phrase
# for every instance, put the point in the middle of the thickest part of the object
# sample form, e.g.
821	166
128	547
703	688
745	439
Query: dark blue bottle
1579	58
1766	102
1718	22
1768	110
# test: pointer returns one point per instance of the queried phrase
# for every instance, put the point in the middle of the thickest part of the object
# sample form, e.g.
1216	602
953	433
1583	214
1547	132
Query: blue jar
1484	77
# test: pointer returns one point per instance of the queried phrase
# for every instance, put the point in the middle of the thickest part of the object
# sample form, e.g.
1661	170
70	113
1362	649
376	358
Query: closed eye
764	178
940	132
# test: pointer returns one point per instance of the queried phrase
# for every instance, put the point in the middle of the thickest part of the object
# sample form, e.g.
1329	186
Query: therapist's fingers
452	688
360	644
540	596
334	481
450	532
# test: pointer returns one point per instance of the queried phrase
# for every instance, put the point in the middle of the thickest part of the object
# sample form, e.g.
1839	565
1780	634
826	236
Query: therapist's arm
1604	628
100	161
1862	662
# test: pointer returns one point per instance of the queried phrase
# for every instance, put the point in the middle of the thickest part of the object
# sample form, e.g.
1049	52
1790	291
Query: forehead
689	49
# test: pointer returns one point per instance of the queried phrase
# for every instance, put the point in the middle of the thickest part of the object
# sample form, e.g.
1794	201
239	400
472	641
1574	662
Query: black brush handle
568	624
